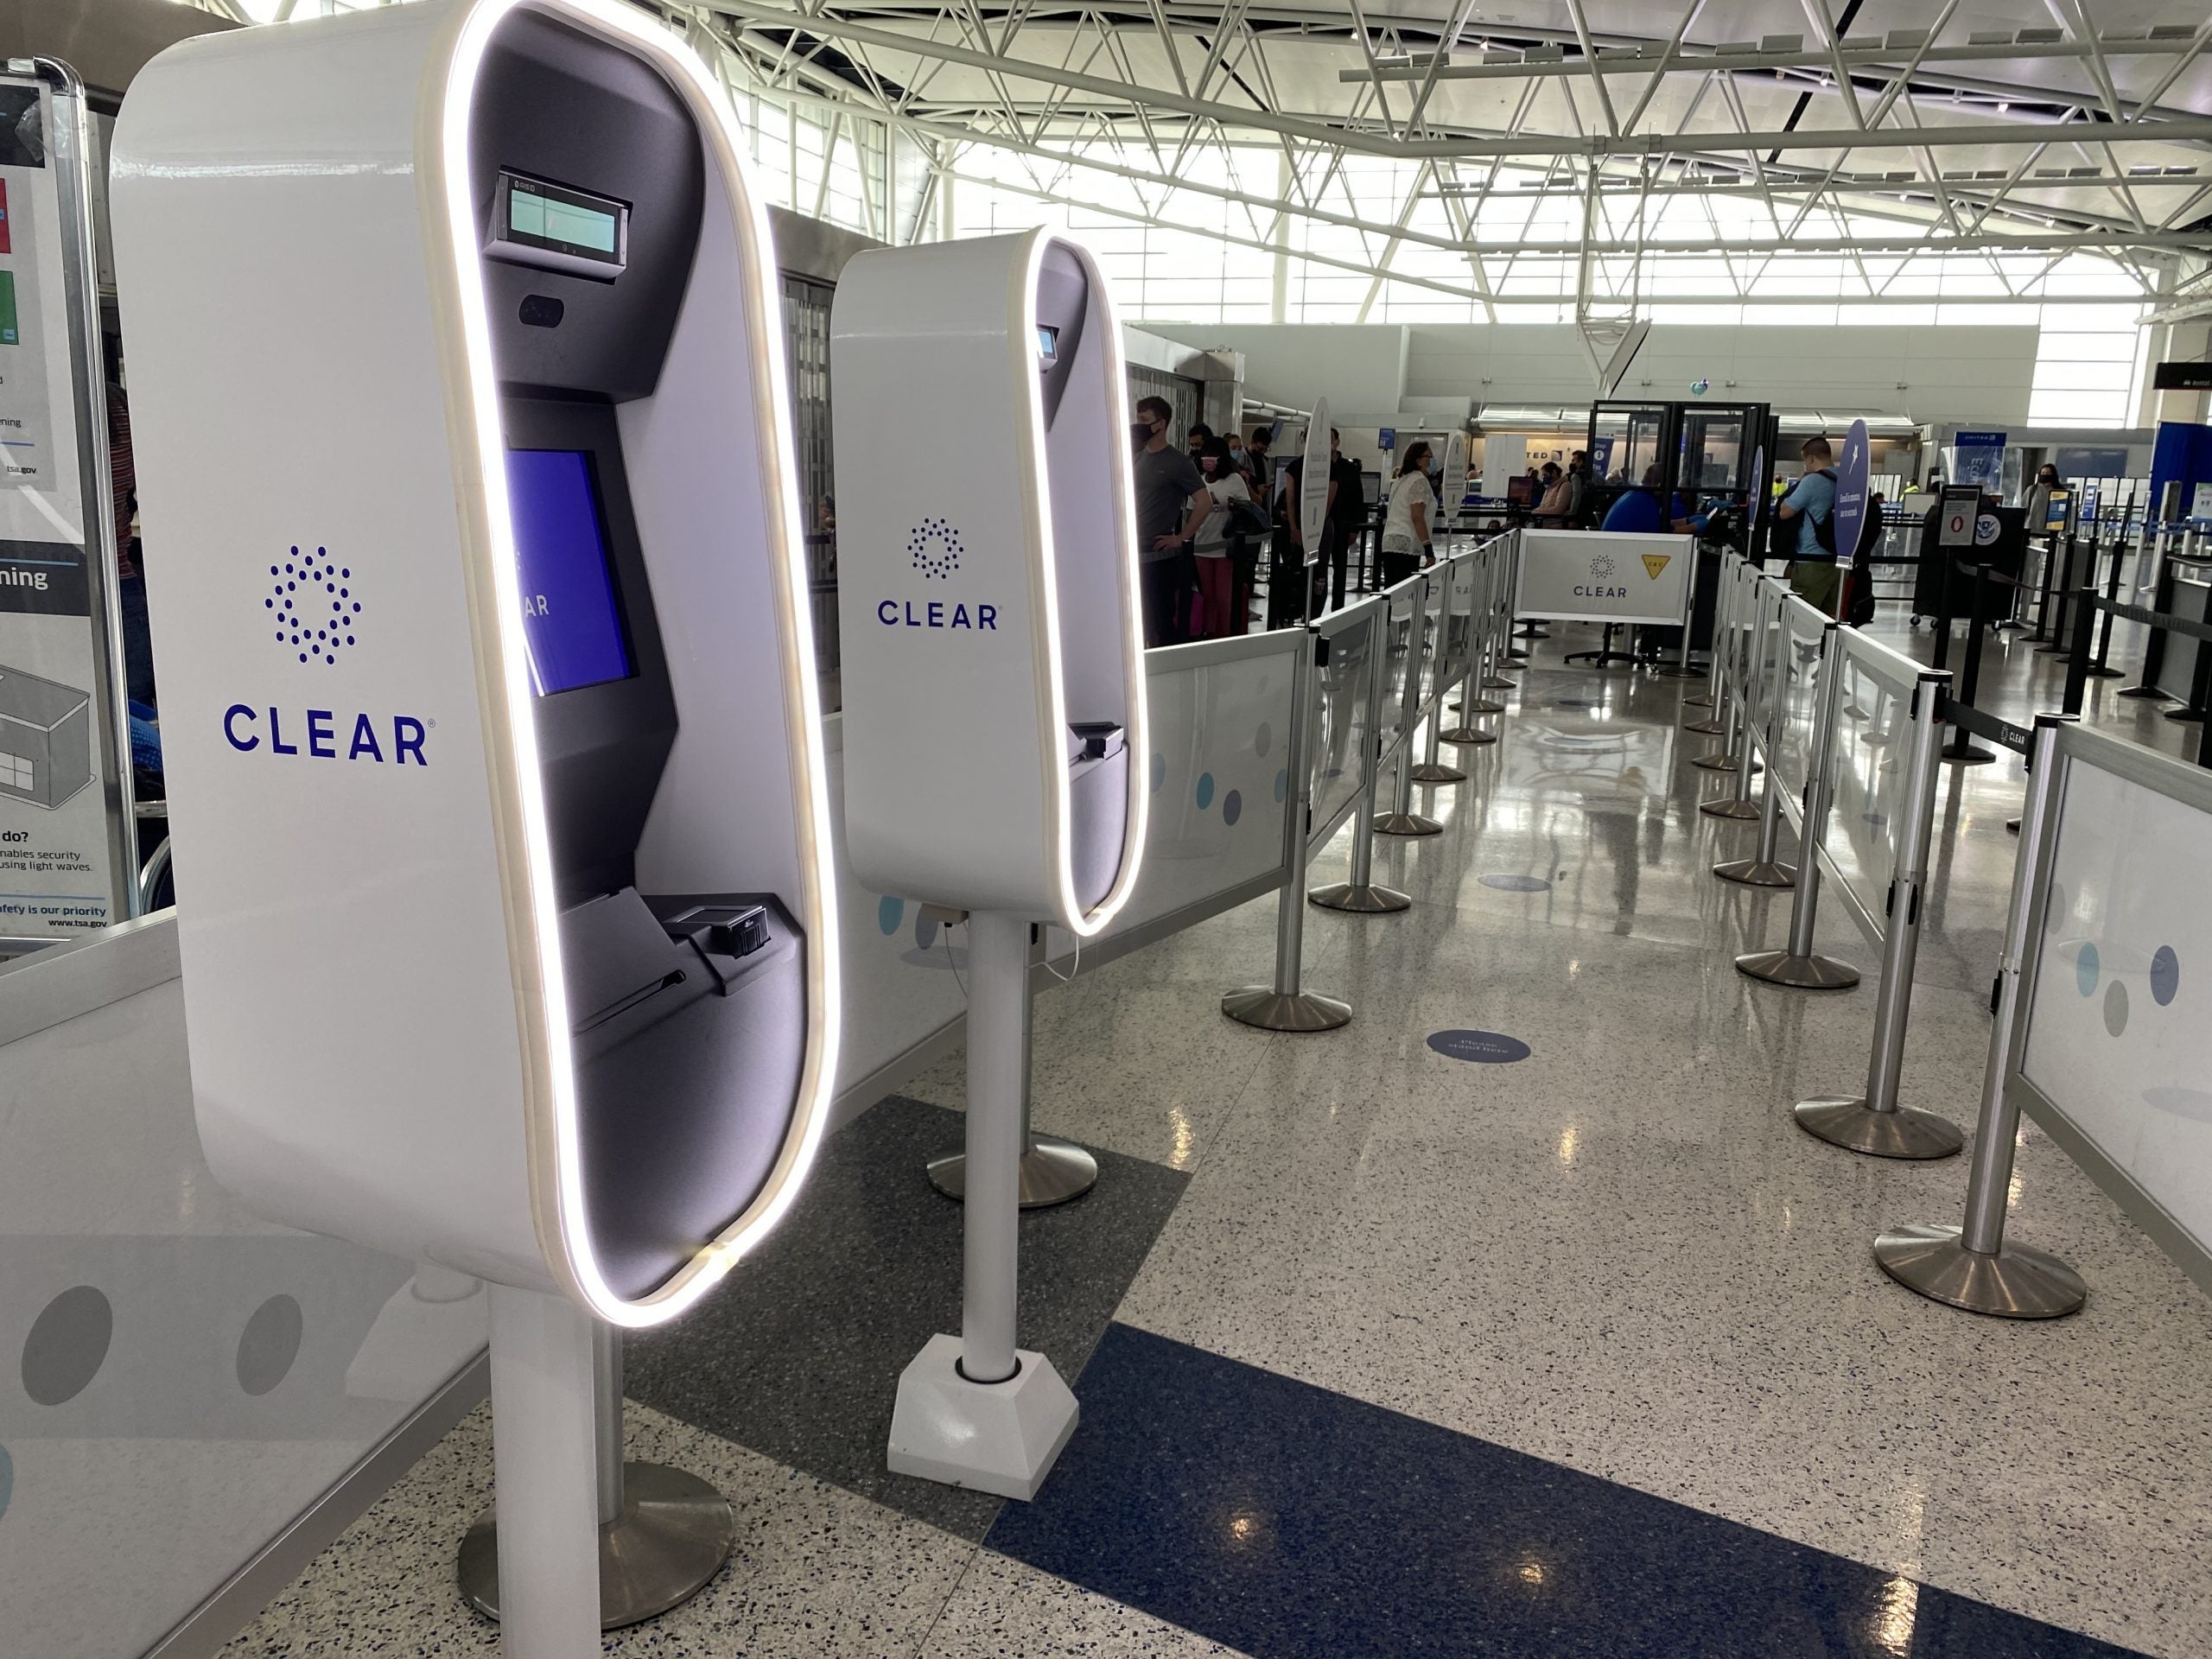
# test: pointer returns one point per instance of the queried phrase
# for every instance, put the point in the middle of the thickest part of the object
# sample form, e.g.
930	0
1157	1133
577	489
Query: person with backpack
1810	508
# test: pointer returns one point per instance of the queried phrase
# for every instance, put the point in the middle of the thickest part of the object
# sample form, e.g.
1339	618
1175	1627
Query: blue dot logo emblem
935	548
312	606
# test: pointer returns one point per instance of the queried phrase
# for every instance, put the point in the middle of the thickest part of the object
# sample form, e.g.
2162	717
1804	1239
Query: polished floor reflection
1516	1318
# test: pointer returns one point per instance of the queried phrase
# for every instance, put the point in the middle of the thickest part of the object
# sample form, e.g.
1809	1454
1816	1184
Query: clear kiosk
496	788
995	716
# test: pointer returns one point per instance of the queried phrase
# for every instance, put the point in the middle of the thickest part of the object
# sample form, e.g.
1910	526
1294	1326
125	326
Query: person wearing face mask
1172	505
1216	558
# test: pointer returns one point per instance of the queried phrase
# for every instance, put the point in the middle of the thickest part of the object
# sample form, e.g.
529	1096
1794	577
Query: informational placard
1851	488
1960	509
61	864
1594	576
1455	474
2201	507
1313	482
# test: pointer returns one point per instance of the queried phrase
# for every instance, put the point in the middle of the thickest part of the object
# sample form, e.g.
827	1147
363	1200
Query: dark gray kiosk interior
688	1009
1086	570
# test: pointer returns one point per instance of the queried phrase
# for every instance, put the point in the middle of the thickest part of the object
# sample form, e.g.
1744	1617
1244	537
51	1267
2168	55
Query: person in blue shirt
1638	509
1810	506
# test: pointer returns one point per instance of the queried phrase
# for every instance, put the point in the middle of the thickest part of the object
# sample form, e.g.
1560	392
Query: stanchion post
1360	895
1284	1005
2077	657
2154	643
1942	655
1486	637
1874	1122
1401	819
2100	667
2061	593
1797	965
1962	749
1751	700
1971	1265
2049	576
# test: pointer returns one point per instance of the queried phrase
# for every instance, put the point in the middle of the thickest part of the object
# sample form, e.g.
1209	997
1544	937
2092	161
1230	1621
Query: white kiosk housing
995	713
491	735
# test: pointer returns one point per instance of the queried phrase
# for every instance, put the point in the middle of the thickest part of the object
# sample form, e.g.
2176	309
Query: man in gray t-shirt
1172	503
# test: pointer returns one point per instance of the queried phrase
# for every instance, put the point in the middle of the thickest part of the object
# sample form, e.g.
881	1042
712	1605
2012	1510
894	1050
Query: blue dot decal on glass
888	910
1263	739
1206	790
1282	785
1515	883
1478	1048
1232	807
925	932
2086	968
2165	974
1159	770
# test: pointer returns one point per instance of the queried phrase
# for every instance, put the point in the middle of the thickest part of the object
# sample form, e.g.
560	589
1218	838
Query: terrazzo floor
1324	1276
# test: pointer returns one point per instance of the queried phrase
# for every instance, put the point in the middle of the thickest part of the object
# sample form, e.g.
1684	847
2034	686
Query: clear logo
312	601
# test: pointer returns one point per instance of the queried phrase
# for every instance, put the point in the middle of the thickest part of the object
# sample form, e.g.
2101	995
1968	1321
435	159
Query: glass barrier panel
1341	732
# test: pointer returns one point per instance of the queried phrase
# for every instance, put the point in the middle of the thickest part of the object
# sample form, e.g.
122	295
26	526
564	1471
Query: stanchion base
1705	727
672	1538
1697	700
1434	771
1001	1438
1406	823
2096	672
1968	755
1757	872
2147	691
1052	1172
1368	900
1721	761
1271	1010
1847	1121
2015	1283
1496	683
1734	806
1799	973
1465	736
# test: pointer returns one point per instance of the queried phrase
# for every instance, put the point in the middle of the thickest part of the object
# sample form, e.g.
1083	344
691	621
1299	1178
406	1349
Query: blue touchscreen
572	623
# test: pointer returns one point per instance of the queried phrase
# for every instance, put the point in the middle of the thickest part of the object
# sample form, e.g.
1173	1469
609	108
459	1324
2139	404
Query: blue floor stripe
1287	1521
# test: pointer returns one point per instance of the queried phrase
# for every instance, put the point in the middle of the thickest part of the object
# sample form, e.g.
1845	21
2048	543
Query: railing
2102	1030
1850	732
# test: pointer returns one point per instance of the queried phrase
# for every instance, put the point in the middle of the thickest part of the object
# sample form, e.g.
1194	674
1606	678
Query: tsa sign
1851	491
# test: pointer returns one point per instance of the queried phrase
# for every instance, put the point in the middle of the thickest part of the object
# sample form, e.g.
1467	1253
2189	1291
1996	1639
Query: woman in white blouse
1407	525
1217	570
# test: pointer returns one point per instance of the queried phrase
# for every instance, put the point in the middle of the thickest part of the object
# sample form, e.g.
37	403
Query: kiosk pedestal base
1001	1438
672	1538
1052	1172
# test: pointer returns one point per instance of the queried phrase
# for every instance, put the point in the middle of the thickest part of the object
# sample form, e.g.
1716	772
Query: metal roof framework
1611	154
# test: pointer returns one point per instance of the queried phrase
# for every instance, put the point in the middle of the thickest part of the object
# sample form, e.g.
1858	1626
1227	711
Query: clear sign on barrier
1458	579
1341	731
2120	1013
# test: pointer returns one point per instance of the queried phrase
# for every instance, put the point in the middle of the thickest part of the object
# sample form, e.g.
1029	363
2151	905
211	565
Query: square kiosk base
990	1437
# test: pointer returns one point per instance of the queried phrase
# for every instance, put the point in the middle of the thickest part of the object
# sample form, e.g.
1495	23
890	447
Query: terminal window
17	772
572	621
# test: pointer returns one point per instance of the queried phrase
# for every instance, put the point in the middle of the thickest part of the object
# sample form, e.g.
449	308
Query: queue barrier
2102	1033
1856	727
1745	643
2166	627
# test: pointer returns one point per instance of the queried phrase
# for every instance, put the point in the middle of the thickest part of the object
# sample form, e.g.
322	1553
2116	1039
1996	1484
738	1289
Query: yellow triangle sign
1654	562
